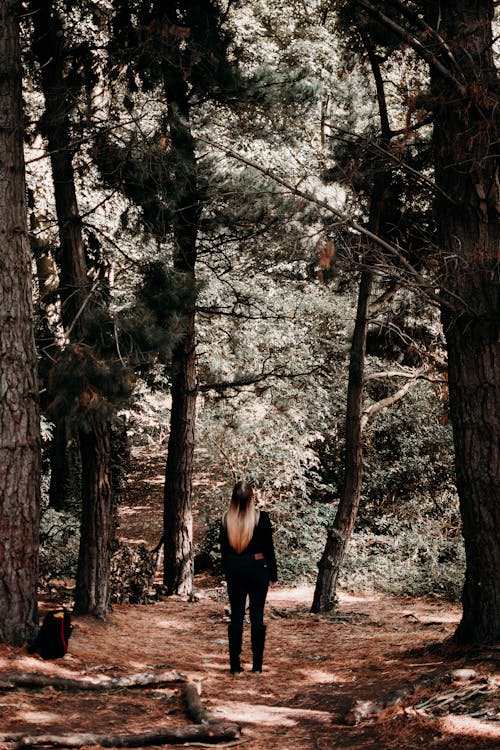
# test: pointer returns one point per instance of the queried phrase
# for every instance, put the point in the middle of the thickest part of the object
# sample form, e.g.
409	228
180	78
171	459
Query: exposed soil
316	668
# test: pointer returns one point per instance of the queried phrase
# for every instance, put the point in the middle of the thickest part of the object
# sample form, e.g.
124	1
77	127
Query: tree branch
423	283
384	298
188	734
384	403
397	161
247	380
13	680
414	43
414	17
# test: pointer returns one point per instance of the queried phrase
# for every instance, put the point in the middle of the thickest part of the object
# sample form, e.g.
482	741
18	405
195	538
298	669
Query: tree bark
466	136
194	708
178	522
191	733
19	419
13	680
48	45
345	518
92	591
92	585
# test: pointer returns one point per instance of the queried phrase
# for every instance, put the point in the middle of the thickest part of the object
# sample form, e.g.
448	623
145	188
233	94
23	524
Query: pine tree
455	40
82	399
179	51
19	419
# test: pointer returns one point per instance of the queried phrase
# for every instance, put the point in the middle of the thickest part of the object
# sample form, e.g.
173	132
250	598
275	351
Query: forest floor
390	655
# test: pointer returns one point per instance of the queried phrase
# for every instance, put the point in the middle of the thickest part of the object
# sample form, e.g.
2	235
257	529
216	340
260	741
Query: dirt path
315	667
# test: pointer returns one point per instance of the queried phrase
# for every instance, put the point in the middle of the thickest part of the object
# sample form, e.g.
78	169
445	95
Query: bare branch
414	17
395	159
260	377
414	43
385	298
13	680
84	304
384	403
404	373
423	284
181	735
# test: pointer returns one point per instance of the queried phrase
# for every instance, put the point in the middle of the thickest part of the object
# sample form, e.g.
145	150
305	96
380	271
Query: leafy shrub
59	543
413	562
421	557
133	569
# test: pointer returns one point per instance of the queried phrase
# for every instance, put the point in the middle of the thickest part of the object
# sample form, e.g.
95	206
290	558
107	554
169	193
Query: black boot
258	641
235	636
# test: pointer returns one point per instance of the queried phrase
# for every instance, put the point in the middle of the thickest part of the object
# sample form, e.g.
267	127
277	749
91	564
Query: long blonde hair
241	517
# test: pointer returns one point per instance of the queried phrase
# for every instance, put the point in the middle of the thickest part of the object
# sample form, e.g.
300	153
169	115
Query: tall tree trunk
340	531
466	136
94	558
19	419
92	594
48	46
178	523
345	518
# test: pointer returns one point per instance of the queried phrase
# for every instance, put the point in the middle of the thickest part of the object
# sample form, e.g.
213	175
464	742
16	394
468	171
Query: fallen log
195	710
13	680
212	734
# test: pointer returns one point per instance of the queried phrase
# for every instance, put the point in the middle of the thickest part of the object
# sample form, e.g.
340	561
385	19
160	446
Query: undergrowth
417	556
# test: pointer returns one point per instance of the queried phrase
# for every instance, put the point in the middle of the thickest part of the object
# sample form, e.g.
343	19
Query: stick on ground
13	680
212	734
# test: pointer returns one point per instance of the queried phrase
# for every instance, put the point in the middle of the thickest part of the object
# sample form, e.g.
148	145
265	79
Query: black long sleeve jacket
261	542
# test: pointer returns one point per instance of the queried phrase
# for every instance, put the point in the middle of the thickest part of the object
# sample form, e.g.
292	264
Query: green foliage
409	454
421	557
152	41
85	387
300	534
133	568
155	321
421	560
264	320
59	544
147	413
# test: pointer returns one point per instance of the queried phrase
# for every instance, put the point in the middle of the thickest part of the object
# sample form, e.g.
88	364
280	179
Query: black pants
246	576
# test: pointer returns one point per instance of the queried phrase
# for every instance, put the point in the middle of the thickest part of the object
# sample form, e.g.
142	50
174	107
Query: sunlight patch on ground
173	625
323	678
301	593
345	598
36	665
37	717
305	595
133	511
433	618
269	715
152	480
455	724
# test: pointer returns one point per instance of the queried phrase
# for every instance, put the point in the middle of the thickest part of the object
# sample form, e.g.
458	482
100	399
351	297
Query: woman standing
249	564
